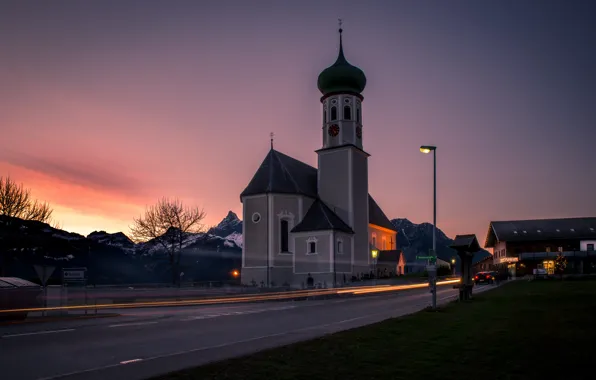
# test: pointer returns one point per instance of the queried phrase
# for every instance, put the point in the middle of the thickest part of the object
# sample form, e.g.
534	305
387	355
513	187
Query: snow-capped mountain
229	225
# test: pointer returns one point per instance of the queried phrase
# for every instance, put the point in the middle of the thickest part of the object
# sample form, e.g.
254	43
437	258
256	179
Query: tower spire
271	136
340	57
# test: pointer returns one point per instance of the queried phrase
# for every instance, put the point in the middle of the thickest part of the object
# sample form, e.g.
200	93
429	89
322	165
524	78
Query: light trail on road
227	300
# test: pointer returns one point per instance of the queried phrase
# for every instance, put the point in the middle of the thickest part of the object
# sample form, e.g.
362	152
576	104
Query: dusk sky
107	106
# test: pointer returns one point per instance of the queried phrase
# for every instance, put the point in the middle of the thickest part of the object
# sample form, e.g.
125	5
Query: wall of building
380	234
320	262
288	208
359	195
254	250
343	259
334	181
583	245
515	248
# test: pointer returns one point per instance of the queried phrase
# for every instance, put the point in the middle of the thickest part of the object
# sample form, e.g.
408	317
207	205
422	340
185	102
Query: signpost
44	273
76	276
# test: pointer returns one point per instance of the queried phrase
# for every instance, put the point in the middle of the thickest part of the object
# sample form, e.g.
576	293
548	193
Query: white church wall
254	250
285	207
318	262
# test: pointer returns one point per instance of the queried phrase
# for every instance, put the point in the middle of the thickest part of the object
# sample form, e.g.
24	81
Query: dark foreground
523	330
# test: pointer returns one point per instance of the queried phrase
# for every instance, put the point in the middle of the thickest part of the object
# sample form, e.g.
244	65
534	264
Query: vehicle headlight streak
250	298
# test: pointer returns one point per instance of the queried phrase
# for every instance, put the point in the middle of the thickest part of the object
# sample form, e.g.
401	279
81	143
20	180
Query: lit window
547	249
558	230
539	231
560	249
572	230
515	232
592	229
334	113
525	232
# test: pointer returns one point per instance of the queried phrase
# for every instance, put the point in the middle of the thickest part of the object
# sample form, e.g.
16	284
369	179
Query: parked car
485	277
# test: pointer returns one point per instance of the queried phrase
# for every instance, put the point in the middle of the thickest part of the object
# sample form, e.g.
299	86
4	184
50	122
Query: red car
485	277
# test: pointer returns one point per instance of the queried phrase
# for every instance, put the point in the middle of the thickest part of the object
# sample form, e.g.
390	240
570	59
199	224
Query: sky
107	106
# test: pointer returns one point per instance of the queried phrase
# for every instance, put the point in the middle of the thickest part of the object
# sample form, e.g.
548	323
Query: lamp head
427	148
374	253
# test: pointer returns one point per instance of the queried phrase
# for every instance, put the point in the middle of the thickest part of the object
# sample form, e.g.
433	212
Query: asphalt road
146	342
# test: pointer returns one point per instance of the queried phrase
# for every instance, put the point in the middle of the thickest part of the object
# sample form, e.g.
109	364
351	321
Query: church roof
283	174
377	216
320	217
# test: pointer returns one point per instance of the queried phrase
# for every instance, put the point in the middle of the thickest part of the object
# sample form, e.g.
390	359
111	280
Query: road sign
426	257
431	268
74	274
44	273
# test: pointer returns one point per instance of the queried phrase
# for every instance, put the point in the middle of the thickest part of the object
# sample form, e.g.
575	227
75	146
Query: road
141	343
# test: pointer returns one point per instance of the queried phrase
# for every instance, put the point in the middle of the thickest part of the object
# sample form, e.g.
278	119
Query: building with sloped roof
301	221
520	246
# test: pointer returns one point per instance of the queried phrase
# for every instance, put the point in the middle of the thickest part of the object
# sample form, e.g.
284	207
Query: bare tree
16	202
170	224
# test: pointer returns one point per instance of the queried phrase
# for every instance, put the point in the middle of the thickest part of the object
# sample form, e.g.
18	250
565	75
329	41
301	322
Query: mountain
229	225
416	240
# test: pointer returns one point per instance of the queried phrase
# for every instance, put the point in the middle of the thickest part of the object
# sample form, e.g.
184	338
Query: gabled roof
320	217
283	174
465	243
540	229
377	216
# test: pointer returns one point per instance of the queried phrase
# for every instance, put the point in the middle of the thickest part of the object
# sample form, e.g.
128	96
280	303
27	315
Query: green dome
341	76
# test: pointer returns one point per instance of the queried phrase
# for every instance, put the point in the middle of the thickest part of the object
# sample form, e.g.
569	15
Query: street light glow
427	149
374	253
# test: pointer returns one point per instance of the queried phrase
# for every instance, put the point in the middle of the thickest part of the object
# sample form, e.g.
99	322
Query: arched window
358	115
333	113
347	113
324	116
340	248
284	231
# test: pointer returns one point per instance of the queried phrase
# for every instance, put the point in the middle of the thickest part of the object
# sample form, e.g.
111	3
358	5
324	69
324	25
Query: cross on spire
271	136
340	22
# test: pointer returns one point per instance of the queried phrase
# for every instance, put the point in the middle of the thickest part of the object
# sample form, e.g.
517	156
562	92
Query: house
520	246
303	222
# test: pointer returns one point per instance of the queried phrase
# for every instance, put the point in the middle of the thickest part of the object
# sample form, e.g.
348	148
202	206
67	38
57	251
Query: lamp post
427	149
374	253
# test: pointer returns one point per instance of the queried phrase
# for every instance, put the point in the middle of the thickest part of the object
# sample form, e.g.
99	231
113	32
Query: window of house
384	244
312	247
333	113
547	249
560	249
347	113
391	242
358	115
324	116
589	247
340	247
374	241
284	232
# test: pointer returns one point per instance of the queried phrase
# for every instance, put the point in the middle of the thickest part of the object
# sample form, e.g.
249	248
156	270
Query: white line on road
130	361
134	324
37	333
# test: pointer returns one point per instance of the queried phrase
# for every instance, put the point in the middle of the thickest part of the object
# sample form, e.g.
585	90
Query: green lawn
523	330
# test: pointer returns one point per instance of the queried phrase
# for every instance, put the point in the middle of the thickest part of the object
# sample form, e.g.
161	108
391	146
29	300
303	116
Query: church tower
343	163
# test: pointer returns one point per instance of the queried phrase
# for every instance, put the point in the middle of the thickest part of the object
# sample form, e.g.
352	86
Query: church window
358	115
384	243
340	246
374	241
324	116
256	217
285	232
347	113
333	113
311	246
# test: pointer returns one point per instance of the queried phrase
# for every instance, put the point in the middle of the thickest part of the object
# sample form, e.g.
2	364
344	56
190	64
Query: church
301	222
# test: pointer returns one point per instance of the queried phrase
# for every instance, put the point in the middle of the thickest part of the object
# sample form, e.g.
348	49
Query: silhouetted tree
169	224
16	203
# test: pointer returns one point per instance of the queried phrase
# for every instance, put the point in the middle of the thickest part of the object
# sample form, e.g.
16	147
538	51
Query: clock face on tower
359	132
333	130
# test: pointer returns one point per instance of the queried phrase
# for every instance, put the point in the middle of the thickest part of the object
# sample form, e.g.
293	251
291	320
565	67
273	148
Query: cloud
106	177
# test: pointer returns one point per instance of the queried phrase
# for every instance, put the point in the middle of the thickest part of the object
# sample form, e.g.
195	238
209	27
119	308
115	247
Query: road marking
37	333
209	316
134	324
130	361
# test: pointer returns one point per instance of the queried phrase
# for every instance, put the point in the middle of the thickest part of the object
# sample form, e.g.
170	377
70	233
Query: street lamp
374	253
427	149
453	265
